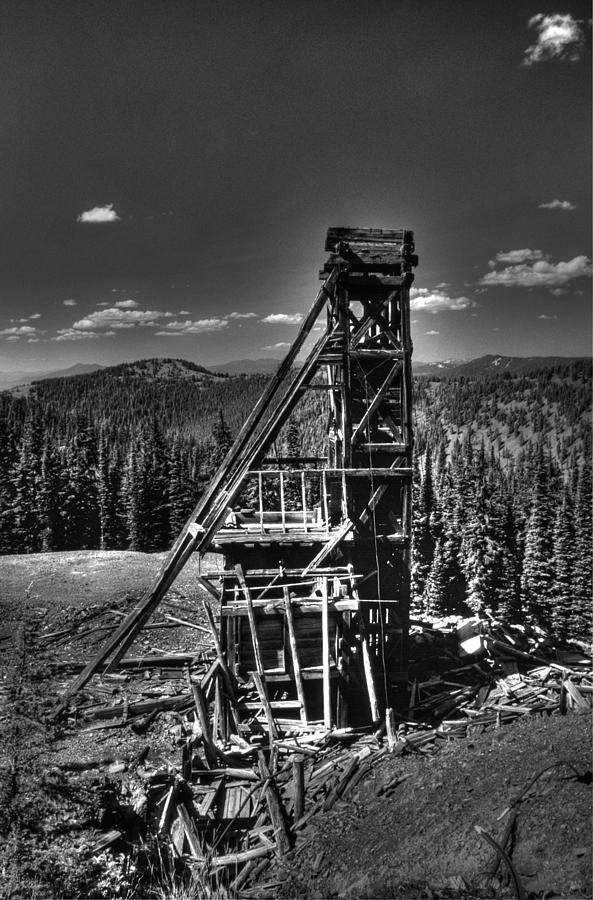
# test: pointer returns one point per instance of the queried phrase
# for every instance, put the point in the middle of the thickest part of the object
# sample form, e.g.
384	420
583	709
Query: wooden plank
327	715
298	778
204	719
190	832
294	654
275	808
337	537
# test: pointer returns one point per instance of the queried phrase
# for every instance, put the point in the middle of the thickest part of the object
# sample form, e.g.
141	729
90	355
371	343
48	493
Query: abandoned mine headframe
315	584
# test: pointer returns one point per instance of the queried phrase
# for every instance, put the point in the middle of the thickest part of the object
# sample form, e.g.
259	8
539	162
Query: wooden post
263	695
366	656
294	653
327	715
275	808
325	503
282	504
260	484
390	726
304	500
202	711
298	777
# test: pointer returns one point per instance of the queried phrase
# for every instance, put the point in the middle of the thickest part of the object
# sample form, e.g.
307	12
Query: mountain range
490	364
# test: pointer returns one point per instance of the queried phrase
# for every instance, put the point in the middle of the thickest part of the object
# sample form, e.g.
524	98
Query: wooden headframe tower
314	592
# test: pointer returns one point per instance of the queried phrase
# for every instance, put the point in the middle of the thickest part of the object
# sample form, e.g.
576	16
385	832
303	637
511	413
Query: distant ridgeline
502	508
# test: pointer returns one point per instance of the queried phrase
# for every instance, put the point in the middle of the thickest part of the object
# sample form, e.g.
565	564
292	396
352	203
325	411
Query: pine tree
180	489
581	624
537	578
52	532
108	484
435	590
131	496
564	568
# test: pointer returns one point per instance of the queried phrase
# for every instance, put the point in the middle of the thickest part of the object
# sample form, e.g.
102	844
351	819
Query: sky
170	170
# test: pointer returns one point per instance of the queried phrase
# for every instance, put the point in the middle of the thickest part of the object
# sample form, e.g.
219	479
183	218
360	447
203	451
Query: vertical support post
304	500
282	504
327	715
325	503
298	677
346	423
260	484
298	777
366	655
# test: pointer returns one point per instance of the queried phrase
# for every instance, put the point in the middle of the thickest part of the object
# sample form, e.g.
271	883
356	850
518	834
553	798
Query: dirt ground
409	830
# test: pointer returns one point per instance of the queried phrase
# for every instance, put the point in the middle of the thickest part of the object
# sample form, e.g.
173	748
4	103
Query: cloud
114	317
69	302
516	256
127	304
238	315
98	215
432	332
566	205
544	316
280	345
16	332
35	316
193	327
283	319
559	36
435	301
537	272
184	312
74	334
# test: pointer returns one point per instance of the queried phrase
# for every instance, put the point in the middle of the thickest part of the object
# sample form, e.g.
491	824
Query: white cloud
98	215
184	312
538	272
432	332
126	304
566	205
15	332
35	316
73	334
119	318
516	256
283	319
280	345
238	315
559	36
193	327
435	301
69	302
544	316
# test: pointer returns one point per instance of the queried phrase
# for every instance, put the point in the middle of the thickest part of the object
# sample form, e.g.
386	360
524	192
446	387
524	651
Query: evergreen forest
502	488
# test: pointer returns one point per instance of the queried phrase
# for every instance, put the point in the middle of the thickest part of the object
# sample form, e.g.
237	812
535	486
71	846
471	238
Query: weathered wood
296	665
298	780
275	808
327	713
190	832
235	859
204	719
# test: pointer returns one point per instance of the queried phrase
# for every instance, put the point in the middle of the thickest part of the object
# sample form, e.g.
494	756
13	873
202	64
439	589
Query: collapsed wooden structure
314	593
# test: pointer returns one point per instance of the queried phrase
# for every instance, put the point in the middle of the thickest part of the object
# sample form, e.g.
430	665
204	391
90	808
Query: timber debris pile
227	808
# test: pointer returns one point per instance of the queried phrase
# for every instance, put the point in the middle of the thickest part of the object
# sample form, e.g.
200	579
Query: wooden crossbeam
375	402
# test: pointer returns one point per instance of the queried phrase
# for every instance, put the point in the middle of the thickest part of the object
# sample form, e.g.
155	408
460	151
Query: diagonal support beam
375	402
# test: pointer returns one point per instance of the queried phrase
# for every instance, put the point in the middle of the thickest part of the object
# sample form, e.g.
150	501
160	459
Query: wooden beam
327	713
294	653
375	402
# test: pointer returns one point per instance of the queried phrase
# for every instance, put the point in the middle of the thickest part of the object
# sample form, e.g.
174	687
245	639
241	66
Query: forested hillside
502	511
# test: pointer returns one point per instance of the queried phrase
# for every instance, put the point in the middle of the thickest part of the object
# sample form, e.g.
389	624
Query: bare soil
409	830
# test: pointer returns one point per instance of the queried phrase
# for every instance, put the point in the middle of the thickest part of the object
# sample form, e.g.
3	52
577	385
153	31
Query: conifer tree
563	590
537	577
581	624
